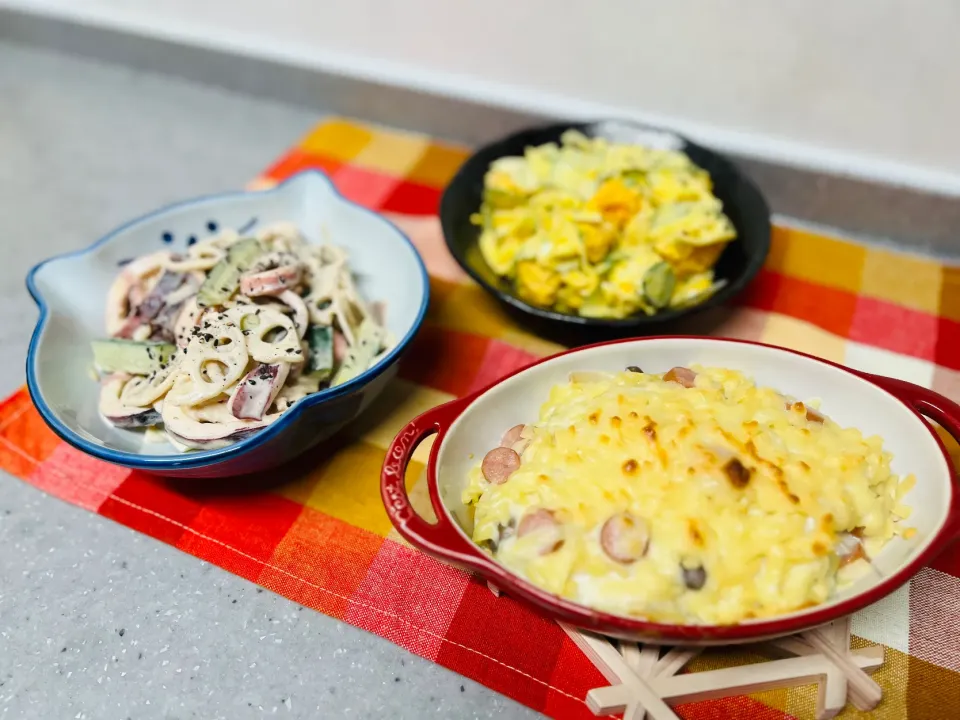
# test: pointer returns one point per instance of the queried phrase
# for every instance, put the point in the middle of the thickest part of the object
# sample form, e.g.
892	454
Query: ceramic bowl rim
638	321
202	458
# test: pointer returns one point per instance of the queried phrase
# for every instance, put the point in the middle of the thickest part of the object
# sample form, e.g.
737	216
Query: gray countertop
97	621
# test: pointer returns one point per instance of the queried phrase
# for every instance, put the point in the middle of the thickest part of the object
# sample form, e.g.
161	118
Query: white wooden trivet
644	681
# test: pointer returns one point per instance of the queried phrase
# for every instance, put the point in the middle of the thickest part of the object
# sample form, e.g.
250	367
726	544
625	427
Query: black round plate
739	263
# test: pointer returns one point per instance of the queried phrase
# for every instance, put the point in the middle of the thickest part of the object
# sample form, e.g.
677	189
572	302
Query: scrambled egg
713	503
602	229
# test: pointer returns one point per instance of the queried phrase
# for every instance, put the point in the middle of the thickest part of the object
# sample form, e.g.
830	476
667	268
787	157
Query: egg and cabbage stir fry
689	497
602	229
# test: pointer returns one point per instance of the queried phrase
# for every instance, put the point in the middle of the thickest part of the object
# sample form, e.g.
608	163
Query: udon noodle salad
218	342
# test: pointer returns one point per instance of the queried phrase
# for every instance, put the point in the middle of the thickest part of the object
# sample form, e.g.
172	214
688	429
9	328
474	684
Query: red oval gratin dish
893	409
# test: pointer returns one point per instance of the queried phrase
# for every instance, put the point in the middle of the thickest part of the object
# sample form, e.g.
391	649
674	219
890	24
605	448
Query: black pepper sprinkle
121	632
208	337
252	381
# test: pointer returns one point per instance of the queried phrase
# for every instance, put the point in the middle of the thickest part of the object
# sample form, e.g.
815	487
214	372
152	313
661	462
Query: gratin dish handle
942	410
441	539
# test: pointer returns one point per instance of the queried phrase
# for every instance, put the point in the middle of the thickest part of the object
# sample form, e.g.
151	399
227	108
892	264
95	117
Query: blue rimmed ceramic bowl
71	292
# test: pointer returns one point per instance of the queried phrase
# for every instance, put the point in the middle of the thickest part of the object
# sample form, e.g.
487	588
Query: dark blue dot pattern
212	226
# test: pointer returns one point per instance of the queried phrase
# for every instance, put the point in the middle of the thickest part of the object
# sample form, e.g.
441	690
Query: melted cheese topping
733	481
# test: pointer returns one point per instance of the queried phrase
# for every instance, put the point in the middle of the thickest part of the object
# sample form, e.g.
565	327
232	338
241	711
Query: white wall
869	87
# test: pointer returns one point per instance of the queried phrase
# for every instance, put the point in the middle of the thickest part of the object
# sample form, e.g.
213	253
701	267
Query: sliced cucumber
320	339
224	277
131	356
367	343
658	284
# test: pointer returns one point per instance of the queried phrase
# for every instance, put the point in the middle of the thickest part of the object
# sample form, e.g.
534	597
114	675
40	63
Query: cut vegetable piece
119	414
257	391
320	364
365	348
186	320
202	256
658	284
270	335
211	365
270	282
130	328
154	302
224	277
130	356
119	307
698	297
199	435
294	390
301	318
144	391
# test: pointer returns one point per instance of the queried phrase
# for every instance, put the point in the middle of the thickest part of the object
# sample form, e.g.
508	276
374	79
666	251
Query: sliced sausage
499	464
270	282
625	538
683	376
536	520
340	346
512	436
545	522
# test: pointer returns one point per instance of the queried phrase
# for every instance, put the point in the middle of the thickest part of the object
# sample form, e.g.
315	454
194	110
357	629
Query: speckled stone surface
97	621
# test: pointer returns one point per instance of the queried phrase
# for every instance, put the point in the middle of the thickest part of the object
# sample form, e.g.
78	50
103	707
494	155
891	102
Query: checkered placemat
323	539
